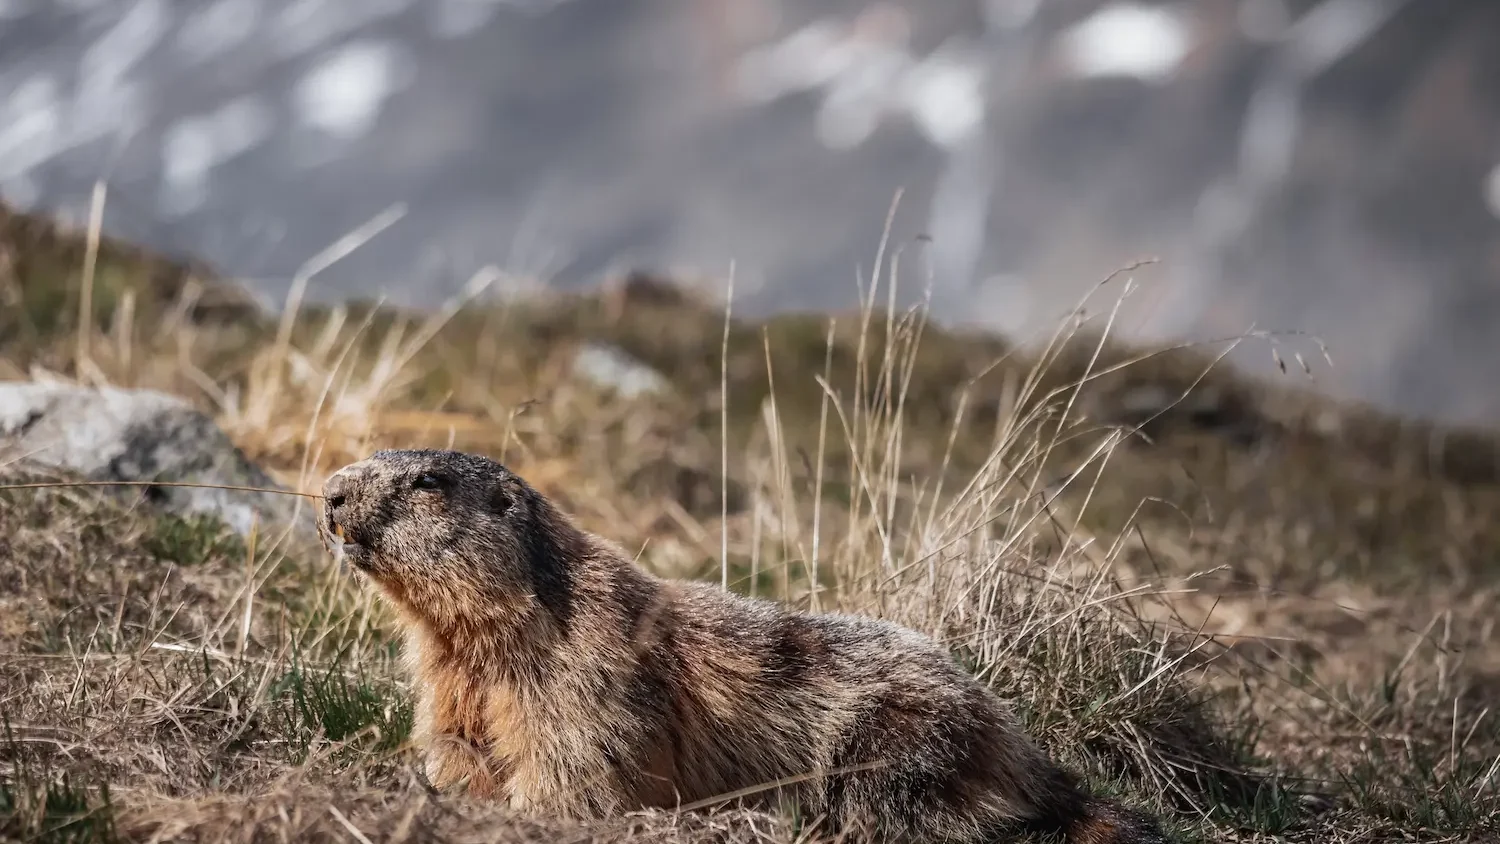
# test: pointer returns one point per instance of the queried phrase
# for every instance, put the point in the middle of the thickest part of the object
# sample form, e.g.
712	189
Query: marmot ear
503	498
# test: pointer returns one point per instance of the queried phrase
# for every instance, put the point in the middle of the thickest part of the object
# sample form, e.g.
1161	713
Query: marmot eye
427	482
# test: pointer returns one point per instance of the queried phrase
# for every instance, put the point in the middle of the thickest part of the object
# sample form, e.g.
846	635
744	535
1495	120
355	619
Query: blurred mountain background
1330	166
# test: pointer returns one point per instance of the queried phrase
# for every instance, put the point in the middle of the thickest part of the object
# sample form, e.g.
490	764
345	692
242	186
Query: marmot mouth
351	548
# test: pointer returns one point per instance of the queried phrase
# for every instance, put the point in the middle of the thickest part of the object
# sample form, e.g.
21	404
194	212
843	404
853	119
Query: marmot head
447	534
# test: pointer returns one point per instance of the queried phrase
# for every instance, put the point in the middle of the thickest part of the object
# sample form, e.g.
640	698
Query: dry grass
1265	626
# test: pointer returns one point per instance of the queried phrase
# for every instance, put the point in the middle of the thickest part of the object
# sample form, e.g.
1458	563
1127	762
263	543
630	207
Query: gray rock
613	369
113	434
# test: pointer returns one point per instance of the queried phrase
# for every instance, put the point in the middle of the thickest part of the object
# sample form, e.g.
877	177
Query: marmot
553	673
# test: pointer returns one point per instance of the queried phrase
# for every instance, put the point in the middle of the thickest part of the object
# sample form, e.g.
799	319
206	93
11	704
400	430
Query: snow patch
1126	39
864	73
342	95
193	146
807	59
945	98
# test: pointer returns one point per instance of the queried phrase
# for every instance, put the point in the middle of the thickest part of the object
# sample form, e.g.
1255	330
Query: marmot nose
336	495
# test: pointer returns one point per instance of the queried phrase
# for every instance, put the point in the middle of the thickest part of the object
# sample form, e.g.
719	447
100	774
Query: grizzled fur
554	674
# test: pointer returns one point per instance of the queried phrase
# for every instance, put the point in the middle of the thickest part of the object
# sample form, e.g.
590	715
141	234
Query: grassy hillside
1265	614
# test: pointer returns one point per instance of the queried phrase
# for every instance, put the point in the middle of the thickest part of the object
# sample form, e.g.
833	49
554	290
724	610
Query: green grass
315	705
37	805
187	540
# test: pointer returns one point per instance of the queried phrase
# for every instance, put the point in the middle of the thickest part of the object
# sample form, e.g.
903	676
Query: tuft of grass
37	806
56	813
312	705
195	538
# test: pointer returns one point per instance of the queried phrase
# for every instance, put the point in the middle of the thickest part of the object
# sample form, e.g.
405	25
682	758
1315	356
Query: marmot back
554	674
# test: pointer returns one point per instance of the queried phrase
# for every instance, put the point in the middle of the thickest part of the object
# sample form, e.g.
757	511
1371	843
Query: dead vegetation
1267	617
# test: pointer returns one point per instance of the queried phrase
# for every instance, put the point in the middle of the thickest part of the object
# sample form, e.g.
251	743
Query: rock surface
114	434
614	369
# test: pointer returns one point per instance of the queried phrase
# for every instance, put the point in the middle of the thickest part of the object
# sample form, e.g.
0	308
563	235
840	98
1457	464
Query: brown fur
553	673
